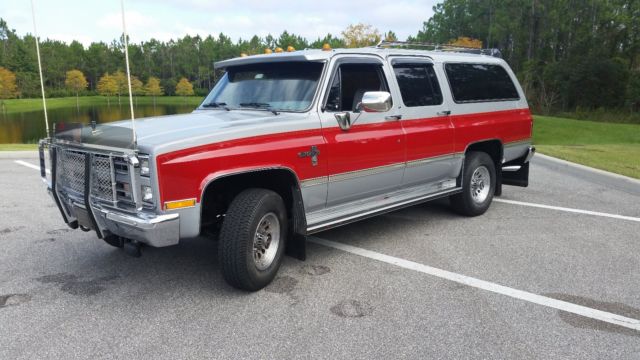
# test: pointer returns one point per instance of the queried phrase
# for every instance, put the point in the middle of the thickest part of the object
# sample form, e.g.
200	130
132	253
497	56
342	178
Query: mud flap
297	241
517	178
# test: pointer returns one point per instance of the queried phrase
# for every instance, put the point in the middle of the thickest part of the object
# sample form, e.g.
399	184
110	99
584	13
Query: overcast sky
99	20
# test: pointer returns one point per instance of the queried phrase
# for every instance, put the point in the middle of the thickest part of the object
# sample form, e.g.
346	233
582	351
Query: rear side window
480	82
418	84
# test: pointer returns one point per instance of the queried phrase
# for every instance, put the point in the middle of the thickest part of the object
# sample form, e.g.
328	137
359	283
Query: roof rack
439	47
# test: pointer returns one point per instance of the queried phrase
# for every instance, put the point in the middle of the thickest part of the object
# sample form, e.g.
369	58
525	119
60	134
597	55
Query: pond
28	127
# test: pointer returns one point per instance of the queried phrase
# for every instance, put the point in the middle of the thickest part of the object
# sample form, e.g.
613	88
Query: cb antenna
44	100
126	57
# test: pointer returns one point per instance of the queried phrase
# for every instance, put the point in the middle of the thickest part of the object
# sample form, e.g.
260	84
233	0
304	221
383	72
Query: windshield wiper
215	104
259	105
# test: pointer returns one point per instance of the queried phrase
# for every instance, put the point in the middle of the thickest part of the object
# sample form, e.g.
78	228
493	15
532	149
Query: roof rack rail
439	47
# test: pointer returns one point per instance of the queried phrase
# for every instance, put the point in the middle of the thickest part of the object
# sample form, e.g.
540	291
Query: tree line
170	63
568	54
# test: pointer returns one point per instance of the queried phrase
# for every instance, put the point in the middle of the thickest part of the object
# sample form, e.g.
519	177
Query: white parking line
485	285
29	165
577	211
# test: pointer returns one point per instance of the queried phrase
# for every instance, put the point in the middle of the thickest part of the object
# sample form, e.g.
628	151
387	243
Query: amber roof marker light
326	47
290	48
268	51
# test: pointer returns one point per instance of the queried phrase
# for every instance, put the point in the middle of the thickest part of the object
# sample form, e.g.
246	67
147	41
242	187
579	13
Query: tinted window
350	83
418	84
480	82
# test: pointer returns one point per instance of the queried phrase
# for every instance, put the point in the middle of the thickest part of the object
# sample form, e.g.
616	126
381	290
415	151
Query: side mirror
376	101
344	120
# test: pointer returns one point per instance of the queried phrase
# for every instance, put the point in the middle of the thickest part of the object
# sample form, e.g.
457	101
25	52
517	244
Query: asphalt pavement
64	294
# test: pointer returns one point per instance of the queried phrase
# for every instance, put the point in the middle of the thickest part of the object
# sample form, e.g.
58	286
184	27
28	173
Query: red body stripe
183	174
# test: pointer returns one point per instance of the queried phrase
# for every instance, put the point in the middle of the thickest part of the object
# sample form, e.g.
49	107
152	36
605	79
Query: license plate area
82	215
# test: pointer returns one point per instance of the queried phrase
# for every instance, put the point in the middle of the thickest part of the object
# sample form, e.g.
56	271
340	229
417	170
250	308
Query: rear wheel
478	185
252	239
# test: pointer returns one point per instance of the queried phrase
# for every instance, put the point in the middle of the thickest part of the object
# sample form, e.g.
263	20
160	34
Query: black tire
236	245
465	203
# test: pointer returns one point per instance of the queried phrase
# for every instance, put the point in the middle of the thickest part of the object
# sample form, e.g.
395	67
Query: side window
350	83
480	82
418	84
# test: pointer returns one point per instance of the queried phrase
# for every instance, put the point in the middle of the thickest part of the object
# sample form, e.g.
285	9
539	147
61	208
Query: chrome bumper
530	152
153	230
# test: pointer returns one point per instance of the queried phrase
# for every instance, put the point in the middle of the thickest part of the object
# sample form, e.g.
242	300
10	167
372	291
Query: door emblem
313	154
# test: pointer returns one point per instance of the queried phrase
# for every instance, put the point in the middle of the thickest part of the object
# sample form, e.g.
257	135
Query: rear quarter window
480	83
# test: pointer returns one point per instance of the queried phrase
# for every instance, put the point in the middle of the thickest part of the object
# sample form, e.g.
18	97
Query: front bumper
88	213
156	230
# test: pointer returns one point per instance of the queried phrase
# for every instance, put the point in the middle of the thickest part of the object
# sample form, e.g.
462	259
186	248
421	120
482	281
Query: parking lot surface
66	294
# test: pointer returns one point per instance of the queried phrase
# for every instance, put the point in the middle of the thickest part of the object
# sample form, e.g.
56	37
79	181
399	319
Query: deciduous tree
153	88
8	88
107	86
361	35
76	82
184	88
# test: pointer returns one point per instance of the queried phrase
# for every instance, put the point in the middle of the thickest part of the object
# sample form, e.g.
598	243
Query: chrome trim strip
365	172
314	181
419	162
517	142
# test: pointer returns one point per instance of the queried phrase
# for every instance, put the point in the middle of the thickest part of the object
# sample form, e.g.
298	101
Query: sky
100	20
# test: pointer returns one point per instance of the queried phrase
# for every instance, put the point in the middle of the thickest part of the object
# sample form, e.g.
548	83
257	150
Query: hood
173	132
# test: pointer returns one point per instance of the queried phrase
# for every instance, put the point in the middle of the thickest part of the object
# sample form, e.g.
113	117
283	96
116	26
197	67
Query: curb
621	182
19	155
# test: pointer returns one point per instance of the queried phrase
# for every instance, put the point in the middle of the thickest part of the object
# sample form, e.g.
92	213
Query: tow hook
133	248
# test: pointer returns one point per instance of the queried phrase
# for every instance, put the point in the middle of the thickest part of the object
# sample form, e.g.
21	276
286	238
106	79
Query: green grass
24	105
606	146
18	147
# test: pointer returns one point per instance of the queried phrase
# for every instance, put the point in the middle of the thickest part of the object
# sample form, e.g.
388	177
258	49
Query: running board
351	212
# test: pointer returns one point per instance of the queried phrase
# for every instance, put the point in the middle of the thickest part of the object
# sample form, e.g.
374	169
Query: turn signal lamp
279	50
326	47
268	51
179	204
290	48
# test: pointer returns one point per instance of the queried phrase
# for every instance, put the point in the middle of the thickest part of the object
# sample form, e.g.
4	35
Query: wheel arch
495	149
218	191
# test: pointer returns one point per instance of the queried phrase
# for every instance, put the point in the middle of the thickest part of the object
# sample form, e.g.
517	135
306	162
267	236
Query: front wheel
478	185
252	239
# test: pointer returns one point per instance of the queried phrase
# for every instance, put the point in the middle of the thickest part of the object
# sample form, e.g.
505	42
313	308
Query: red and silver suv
290	144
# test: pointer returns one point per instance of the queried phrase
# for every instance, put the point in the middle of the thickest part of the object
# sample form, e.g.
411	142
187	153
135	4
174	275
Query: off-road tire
236	242
465	203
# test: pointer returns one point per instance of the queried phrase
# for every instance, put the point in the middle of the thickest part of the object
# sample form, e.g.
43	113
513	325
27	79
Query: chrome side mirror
344	120
376	101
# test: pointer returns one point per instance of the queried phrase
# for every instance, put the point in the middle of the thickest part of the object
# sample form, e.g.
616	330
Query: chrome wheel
266	241
480	184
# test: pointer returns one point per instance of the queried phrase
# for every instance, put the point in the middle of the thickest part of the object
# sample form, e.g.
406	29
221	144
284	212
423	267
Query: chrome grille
101	180
110	176
71	170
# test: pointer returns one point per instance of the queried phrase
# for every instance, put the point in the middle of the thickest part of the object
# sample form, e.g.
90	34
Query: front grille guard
89	184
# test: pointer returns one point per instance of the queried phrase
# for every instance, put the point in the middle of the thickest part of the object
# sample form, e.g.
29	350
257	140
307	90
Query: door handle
393	117
444	113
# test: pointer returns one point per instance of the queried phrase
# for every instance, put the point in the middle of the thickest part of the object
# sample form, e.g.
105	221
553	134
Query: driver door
368	158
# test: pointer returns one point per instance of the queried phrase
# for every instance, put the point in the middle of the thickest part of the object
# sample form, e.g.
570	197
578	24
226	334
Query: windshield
281	86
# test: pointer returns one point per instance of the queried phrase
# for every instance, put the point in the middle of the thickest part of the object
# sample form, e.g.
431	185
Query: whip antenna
44	100
126	57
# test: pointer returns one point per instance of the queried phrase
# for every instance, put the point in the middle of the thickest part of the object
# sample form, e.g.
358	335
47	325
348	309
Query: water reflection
28	127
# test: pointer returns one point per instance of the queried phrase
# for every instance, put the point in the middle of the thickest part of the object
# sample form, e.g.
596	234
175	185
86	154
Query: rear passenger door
426	123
